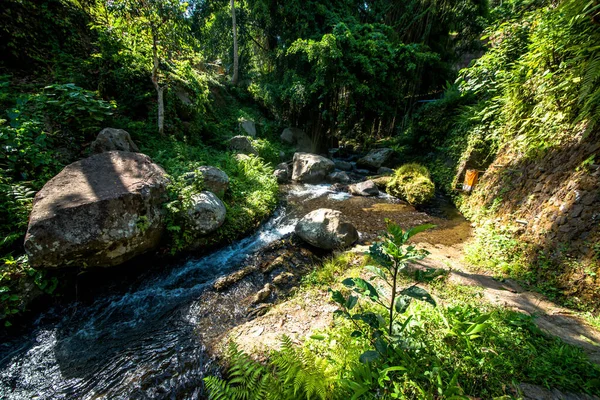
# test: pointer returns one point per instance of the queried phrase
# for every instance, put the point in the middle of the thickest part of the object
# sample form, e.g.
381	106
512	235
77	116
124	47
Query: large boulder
311	168
110	139
248	127
206	212
99	211
366	188
376	158
242	144
213	179
297	138
326	229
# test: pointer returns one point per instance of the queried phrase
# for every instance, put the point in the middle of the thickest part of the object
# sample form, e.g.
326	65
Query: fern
291	373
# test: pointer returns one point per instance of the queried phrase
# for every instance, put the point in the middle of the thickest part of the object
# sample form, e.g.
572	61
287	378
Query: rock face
326	229
206	213
248	127
215	180
366	188
242	144
311	168
343	165
110	139
100	211
338	177
376	158
297	138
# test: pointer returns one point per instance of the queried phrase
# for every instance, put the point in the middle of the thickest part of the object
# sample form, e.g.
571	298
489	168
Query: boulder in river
99	211
326	229
242	144
376	158
311	168
110	139
297	138
366	188
206	212
385	171
282	173
343	165
338	177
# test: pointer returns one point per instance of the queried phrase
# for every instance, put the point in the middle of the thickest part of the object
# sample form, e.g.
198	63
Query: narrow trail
554	319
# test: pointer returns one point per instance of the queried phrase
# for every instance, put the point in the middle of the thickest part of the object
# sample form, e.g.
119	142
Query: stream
148	339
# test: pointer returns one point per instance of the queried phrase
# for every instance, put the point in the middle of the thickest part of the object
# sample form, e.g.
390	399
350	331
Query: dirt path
555	320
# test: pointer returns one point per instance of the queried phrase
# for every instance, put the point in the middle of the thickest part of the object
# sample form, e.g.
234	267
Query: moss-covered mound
412	183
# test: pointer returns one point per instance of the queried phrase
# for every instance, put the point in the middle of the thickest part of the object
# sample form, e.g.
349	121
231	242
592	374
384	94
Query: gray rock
242	144
248	127
366	188
241	157
297	138
338	177
343	165
363	172
376	158
311	168
206	213
263	294
215	180
99	211
326	229
385	171
281	175
110	139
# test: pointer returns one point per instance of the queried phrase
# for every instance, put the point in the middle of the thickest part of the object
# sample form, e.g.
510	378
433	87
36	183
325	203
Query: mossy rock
412	183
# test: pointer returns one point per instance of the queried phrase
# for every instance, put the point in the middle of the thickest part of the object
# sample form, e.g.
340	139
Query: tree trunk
159	90
234	78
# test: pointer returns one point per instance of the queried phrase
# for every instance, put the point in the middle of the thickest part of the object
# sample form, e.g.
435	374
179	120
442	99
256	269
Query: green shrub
412	183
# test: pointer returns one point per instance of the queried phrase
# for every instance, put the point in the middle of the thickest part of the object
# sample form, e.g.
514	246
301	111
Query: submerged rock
206	213
99	211
311	168
110	139
376	158
326	229
366	188
242	144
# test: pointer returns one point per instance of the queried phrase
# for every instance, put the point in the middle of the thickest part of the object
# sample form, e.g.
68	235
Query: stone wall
551	202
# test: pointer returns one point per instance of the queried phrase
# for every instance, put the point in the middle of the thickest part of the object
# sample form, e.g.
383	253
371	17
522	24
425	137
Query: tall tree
234	78
156	29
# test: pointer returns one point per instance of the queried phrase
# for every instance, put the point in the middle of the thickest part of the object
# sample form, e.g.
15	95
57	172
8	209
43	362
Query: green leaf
402	303
368	356
356	334
366	288
418	229
351	302
338	297
418	293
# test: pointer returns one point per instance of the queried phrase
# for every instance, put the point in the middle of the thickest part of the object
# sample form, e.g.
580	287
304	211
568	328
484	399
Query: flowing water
149	339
